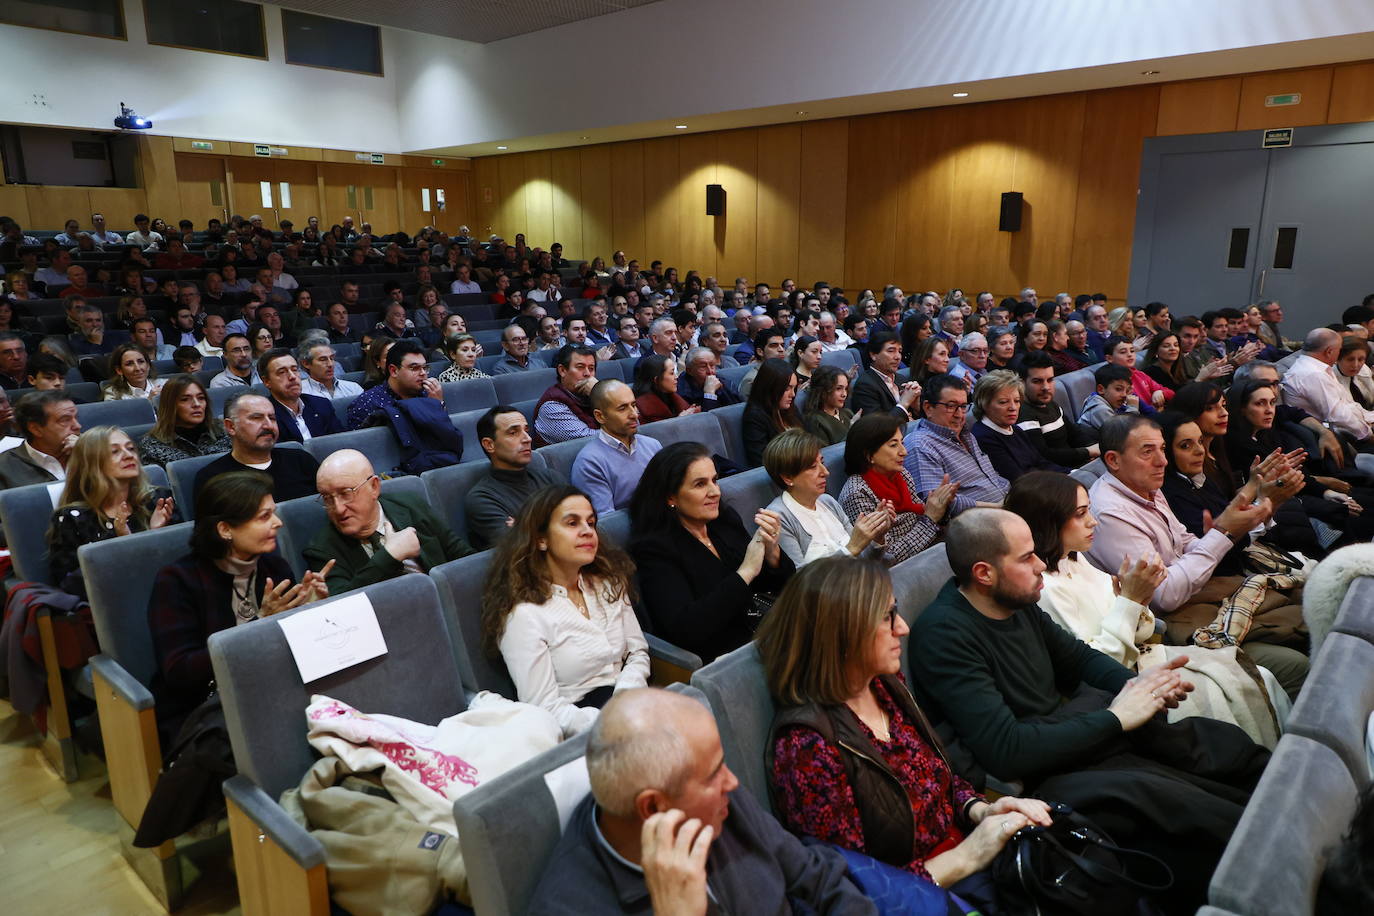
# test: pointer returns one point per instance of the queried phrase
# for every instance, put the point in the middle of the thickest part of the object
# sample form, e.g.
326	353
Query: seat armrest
667	652
124	684
275	823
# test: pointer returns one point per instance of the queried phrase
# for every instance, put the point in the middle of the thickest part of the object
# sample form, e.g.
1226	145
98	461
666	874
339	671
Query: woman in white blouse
131	376
1112	614
813	523
557	609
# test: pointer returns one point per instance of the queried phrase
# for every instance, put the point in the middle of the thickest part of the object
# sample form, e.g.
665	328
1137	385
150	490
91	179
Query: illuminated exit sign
1282	101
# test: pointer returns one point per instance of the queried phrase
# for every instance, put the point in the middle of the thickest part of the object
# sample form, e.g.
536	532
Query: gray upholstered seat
840	359
615	528
1336	701
522	386
833	456
128	412
1078	385
1356	615
448	488
561	455
731	420
1300	808
24	512
469	395
698	427
460	584
182	475
747	493
378	443
735	687
916	582
466	424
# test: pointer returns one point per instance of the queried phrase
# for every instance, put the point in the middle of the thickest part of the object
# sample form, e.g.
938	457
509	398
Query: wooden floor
59	852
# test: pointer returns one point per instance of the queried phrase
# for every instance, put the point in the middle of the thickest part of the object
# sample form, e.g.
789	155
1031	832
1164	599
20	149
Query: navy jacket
319	416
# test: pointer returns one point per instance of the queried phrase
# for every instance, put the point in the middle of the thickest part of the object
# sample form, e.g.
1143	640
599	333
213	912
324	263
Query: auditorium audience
824	413
492	503
706	582
300	417
1112	397
941	448
851	758
556	607
771	408
232	575
1055	434
1119	351
656	390
564	411
322	377
238	364
106	495
374	536
251	422
609	467
996	410
876	389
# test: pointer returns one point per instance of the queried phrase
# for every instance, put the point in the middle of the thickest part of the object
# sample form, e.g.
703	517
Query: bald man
609	467
374	537
664	820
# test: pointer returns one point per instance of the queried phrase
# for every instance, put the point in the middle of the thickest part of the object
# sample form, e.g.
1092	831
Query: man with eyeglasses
516	344
973	358
373	537
940	448
407	377
251	422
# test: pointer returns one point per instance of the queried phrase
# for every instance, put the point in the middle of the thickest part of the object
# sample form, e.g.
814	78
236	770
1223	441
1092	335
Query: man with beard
251	422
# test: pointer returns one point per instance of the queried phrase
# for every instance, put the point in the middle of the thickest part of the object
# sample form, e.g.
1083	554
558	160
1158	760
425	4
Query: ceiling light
1149	73
679	126
801	112
961	95
503	147
586	138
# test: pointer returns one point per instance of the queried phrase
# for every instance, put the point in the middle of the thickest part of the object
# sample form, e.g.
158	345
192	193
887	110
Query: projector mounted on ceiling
129	120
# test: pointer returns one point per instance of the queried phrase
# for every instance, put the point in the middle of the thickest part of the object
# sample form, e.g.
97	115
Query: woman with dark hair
232	282
851	757
805	359
771	408
873	456
185	427
131	376
106	495
232	575
374	361
462	351
1031	337
931	359
1164	361
556	608
914	329
1001	348
706	581
655	390
261	339
824	413
1114	617
1353	373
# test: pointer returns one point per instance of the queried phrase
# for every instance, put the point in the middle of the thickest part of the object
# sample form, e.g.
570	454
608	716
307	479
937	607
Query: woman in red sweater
656	390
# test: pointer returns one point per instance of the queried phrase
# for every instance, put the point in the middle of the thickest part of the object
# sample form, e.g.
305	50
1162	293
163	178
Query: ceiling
469	20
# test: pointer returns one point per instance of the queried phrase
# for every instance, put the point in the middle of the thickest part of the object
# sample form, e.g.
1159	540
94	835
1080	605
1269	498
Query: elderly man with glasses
373	537
941	449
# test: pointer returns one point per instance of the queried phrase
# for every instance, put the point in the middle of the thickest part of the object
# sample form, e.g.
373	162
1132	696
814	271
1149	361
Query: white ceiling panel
469	20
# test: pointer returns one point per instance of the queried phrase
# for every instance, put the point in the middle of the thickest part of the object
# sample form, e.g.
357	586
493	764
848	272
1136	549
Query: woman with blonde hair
131	376
106	495
1122	323
852	759
185	427
556	607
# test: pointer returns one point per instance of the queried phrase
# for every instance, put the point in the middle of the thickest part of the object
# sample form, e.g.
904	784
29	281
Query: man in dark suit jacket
876	389
251	422
282	376
371	537
48	422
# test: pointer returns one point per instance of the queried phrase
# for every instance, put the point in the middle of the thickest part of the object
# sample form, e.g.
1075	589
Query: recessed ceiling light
1149	73
503	147
801	112
586	138
680	126
961	95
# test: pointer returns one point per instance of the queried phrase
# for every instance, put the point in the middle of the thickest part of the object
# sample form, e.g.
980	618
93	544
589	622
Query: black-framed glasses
892	618
951	406
345	495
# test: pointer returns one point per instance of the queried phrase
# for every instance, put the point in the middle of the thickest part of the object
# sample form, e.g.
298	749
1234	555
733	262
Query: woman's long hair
88	483
648	371
662	478
118	383
769	386
823	382
519	571
1046	500
1175	371
165	429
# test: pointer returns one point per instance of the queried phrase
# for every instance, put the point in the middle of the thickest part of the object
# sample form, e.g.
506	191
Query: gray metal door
1317	238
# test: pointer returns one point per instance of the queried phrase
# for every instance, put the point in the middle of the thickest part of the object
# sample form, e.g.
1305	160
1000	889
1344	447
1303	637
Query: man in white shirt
321	369
280	280
544	292
48	422
102	236
463	282
212	344
1310	384
143	236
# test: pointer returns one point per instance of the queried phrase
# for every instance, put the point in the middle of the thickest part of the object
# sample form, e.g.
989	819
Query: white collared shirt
299	417
46	462
828	536
343	388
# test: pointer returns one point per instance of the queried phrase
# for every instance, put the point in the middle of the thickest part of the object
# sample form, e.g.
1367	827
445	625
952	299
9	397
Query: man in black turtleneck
492	504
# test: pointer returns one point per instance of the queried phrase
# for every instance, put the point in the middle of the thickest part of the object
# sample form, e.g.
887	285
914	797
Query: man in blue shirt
609	467
407	377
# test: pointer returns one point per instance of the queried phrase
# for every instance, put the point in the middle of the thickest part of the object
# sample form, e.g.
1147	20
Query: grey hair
660	323
697	353
231	406
946	312
1319	339
971	338
308	345
1244	371
628	752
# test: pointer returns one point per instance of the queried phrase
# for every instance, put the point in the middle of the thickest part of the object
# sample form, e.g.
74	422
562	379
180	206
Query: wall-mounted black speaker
1010	218
715	200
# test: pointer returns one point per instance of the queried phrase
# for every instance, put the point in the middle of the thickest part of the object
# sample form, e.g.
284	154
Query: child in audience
1113	396
189	360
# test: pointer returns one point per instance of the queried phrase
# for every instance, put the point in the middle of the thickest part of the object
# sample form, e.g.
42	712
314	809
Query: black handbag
1072	867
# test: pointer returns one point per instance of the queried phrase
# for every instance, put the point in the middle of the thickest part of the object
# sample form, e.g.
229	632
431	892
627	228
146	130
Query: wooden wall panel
627	199
14	203
1046	172
51	206
1116	123
1198	107
539	199
596	200
1314	84
157	179
1352	93
662	221
566	186
486	195
779	200
697	157
876	162
925	200
822	235
119	206
736	232
984	163
513	216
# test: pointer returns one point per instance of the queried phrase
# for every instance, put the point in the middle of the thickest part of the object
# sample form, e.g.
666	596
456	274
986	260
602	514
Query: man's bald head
759	323
1319	339
640	742
346	464
350	491
604	392
977	534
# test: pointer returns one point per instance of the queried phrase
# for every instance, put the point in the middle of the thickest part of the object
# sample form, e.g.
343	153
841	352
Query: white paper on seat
568	785
333	636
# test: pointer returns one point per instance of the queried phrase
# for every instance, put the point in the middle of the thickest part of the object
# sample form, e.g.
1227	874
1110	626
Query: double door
276	189
365	192
1224	222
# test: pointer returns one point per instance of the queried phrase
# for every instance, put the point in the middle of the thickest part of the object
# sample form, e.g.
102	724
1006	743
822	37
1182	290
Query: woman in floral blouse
852	759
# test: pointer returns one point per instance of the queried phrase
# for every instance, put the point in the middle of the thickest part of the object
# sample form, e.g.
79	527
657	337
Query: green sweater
989	678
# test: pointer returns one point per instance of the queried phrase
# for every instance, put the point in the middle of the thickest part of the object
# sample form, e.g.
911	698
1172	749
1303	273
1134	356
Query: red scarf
893	487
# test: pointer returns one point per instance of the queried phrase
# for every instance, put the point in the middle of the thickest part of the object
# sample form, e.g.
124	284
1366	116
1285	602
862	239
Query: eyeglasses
329	500
891	617
950	406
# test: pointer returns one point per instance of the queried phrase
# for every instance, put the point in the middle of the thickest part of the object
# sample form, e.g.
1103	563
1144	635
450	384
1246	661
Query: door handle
1263	272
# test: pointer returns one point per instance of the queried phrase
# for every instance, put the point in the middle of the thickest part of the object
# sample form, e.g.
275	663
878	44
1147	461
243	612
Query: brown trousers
1279	619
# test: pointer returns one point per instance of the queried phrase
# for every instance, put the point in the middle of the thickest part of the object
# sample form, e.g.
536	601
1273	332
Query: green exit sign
202	144
437	161
1283	100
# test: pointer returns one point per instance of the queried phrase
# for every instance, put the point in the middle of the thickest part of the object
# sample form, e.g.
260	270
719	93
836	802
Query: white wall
678	58
196	94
